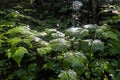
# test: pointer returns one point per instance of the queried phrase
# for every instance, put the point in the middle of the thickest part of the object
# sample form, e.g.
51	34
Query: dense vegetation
52	40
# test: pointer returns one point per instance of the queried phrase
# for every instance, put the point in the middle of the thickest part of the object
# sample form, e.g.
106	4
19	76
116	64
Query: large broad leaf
6	23
77	32
106	32
113	47
43	43
85	45
110	34
59	44
55	33
94	45
74	56
42	34
97	45
68	75
50	30
44	50
77	60
102	28
91	45
28	42
72	31
90	27
18	55
20	30
83	33
14	41
58	35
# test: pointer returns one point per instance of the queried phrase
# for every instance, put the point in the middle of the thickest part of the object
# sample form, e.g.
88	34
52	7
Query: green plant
80	53
88	52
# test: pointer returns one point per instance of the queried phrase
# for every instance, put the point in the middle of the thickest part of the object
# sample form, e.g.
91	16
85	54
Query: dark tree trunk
94	8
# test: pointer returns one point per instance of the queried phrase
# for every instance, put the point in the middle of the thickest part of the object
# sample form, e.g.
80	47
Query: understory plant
88	52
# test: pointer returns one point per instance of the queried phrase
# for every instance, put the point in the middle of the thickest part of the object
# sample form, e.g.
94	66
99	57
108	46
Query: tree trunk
94	6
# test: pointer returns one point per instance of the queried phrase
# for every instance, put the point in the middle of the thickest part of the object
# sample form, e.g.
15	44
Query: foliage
79	53
33	49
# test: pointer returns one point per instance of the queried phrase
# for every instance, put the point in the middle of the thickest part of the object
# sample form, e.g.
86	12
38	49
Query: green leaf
14	14
77	32
97	45
83	33
74	56
14	41
55	33
102	29
51	31
85	45
72	31
111	35
32	67
20	73
28	42
43	43
113	47
44	50
76	60
18	55
9	53
68	75
100	65
42	34
32	70
90	27
20	30
59	44
6	23
31	1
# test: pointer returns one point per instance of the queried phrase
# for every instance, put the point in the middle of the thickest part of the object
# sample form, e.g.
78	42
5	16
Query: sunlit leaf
43	43
90	27
59	44
18	55
20	30
43	50
97	45
14	14
55	33
14	41
68	75
77	32
28	42
72	31
9	53
110	34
